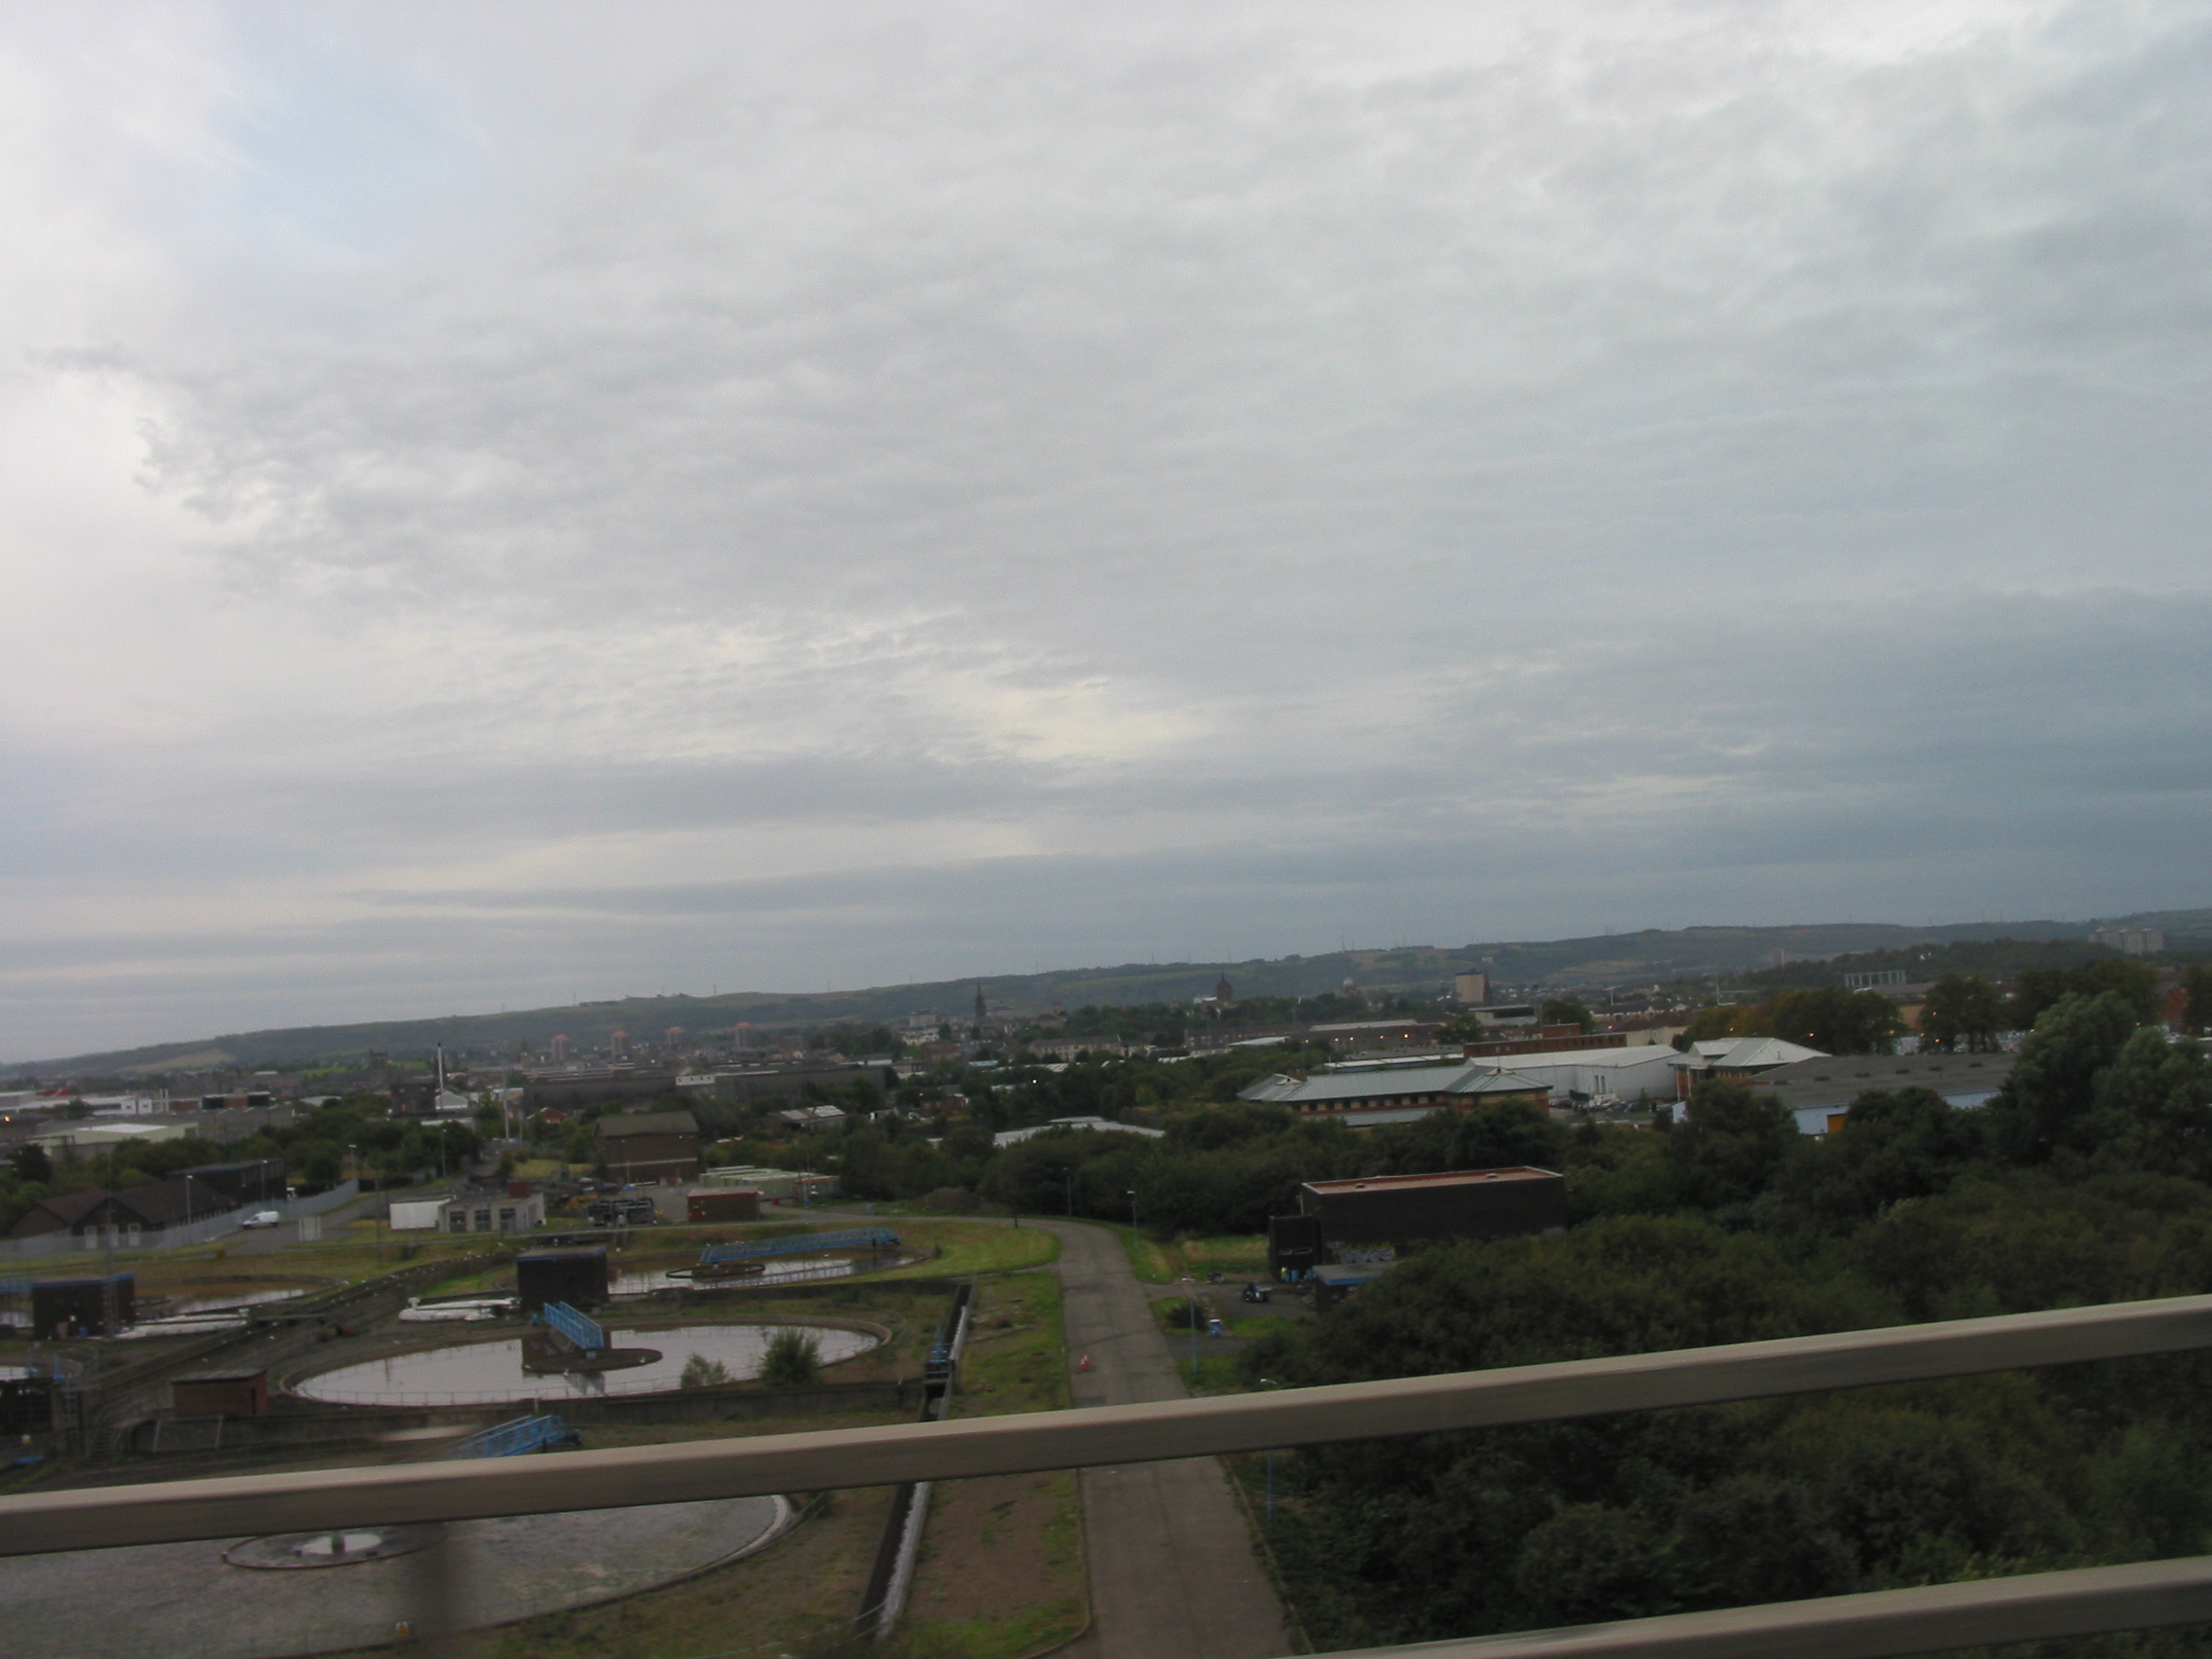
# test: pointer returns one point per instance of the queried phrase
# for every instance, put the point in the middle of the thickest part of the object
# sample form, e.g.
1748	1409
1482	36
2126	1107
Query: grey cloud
1458	475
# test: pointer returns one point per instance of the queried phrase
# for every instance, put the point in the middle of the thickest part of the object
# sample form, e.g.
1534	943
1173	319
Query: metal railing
1850	1626
805	1244
524	1434
579	1328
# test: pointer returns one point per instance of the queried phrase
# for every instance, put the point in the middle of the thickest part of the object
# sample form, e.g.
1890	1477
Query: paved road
1172	1570
266	1241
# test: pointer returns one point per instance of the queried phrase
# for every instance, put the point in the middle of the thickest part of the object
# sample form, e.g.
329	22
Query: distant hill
1653	956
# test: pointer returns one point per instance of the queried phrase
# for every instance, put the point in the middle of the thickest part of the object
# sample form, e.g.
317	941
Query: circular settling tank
222	1600
491	1373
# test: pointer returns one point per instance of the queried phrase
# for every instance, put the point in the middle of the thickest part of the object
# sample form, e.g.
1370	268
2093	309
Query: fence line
45	1245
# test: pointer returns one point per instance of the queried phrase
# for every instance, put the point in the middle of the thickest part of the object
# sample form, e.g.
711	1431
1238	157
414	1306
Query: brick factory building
649	1146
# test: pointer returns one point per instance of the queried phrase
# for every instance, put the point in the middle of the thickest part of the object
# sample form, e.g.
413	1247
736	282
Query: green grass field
976	1247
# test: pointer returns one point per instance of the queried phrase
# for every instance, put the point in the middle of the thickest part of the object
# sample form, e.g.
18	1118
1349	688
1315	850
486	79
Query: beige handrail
101	1517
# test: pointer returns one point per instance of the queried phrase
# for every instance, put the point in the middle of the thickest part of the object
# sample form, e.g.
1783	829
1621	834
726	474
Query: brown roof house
649	1146
152	1208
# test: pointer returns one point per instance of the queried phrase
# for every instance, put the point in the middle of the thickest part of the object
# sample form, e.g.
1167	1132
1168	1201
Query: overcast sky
500	504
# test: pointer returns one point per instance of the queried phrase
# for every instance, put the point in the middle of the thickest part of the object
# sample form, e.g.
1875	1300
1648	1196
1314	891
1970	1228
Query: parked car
1255	1292
263	1218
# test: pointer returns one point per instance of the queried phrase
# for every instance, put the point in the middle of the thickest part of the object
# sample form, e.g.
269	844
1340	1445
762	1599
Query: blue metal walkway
571	1324
857	1238
513	1439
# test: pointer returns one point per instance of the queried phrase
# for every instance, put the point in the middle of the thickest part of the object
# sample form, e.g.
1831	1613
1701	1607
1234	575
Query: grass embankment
1236	1257
976	1247
1001	1573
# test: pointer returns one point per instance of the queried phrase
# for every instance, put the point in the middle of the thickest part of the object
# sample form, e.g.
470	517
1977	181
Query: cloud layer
503	503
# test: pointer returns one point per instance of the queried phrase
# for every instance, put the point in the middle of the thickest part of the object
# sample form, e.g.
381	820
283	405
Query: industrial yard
356	1350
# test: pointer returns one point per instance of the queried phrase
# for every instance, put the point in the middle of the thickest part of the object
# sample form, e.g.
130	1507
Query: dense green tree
1488	1138
2150	1109
1712	1024
1592	1561
2045	1104
1834	1020
1964	1012
32	1163
1732	1144
1895	1145
1568	1011
2037	989
2196	990
1754	1539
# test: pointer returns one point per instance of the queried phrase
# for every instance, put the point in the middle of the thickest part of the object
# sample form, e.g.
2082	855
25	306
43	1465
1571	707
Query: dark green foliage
1834	1020
2047	1104
2084	1183
1895	1144
1753	1538
1732	1146
793	1360
2196	990
2037	989
1494	1137
1568	1011
1831	1019
1992	958
1964	1013
32	1163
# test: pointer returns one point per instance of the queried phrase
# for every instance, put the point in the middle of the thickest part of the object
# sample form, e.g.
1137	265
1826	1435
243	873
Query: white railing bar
33	1523
1981	1613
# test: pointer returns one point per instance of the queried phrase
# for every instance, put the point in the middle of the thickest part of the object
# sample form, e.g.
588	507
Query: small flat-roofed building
68	1307
221	1394
488	1212
722	1204
649	1146
1376	1212
777	1186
